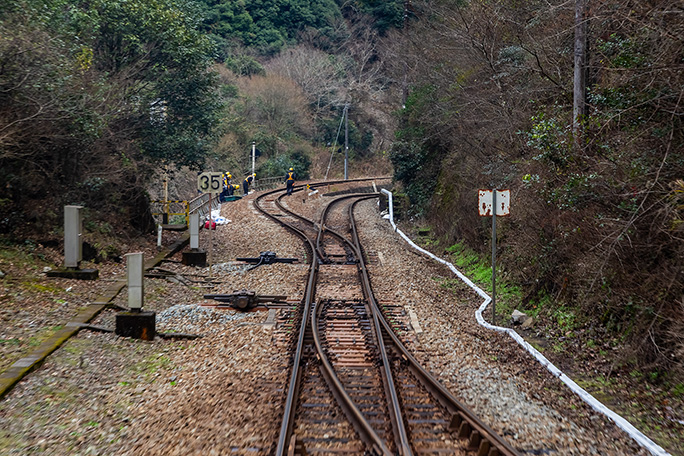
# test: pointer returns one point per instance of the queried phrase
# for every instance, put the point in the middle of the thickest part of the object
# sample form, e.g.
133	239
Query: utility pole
579	109
253	155
404	84
494	207
165	215
346	138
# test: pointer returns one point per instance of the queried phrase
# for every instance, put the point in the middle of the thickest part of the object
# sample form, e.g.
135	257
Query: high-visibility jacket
290	176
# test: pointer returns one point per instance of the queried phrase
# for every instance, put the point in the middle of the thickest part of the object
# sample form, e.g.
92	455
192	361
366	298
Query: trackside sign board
503	202
210	182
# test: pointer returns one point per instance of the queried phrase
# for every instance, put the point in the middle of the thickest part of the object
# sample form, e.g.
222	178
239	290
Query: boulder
519	317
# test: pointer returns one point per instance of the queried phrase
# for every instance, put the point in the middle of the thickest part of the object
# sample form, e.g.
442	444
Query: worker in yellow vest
290	180
247	183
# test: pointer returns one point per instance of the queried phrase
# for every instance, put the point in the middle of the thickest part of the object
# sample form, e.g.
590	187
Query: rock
519	317
529	321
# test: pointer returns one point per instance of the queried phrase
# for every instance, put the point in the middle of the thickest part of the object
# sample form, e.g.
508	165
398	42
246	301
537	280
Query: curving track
354	387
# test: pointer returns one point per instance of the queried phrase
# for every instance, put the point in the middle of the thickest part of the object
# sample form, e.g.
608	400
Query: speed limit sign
209	182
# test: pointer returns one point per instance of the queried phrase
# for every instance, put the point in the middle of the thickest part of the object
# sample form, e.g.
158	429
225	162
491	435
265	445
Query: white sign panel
210	182
503	202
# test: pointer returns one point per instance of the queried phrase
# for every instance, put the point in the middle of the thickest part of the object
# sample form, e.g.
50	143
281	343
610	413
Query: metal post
253	156
494	257
165	215
390	207
211	237
346	138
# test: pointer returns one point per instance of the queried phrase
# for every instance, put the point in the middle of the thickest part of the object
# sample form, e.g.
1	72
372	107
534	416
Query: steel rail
401	435
398	425
317	184
293	389
481	437
321	225
285	444
358	421
468	425
366	431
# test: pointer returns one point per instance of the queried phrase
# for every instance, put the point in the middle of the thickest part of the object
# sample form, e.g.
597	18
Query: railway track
354	386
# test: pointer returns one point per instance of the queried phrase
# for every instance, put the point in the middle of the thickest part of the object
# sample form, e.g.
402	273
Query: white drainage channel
623	424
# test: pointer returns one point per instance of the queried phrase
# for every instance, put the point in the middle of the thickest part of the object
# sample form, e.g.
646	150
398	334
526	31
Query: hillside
100	99
595	235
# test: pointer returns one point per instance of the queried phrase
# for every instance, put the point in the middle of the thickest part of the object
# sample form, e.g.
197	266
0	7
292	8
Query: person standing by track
228	184
247	183
290	180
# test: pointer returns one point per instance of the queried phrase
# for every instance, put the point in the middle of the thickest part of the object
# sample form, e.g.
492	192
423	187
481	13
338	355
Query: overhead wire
332	152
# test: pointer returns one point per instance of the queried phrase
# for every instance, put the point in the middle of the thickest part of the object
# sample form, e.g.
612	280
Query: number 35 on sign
503	202
209	182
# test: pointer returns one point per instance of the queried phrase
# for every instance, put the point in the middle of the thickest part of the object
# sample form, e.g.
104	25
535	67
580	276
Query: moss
10	442
478	268
41	287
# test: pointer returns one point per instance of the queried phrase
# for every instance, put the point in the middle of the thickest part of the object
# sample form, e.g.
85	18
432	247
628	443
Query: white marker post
160	230
195	256
73	244
493	203
73	248
136	323
194	230
135	273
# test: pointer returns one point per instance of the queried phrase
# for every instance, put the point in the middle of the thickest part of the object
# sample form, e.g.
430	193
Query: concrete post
73	248
194	230
135	269
195	256
136	323
73	245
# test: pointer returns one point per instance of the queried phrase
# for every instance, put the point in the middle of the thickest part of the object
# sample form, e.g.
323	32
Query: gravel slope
221	393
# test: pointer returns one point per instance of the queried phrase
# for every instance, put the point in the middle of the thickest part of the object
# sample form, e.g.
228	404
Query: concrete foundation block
195	257
137	325
80	274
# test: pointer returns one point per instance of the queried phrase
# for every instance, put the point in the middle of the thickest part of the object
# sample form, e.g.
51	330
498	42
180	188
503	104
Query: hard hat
237	186
291	169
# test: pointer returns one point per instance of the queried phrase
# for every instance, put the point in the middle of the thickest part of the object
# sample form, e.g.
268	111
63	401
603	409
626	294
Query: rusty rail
480	436
481	439
285	444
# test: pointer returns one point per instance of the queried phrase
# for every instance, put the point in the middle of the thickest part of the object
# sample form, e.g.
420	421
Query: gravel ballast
222	393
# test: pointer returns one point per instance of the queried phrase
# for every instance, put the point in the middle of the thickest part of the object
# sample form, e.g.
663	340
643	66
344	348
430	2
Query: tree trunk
579	88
